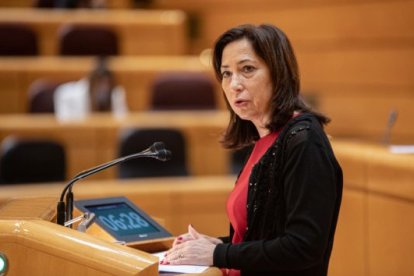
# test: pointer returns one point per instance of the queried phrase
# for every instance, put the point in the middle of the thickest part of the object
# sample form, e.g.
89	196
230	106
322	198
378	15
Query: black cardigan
293	202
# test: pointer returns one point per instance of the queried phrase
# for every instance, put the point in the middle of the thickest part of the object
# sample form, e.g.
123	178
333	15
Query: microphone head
157	146
163	155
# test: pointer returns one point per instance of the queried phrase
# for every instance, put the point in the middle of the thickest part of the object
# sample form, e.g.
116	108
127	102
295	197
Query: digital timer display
122	219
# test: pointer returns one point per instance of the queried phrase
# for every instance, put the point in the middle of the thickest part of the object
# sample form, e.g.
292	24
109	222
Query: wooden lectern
35	245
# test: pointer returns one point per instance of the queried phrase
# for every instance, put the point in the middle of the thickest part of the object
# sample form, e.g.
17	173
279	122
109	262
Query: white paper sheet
179	268
402	149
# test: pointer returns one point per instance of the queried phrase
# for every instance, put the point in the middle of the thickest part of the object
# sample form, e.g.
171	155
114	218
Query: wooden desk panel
373	236
95	140
390	239
139	31
27	229
392	175
46	248
350	246
372	167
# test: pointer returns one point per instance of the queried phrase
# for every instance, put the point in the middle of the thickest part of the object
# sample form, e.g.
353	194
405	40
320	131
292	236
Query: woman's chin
243	116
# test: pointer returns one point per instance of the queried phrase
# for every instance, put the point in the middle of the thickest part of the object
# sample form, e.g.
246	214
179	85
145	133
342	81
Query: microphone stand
392	118
65	210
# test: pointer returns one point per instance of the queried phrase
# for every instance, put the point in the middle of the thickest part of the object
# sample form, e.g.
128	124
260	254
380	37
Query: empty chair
135	140
17	40
68	4
40	96
86	40
24	160
44	3
183	91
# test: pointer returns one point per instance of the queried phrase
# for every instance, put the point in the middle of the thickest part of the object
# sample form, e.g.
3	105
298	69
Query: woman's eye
225	74
248	69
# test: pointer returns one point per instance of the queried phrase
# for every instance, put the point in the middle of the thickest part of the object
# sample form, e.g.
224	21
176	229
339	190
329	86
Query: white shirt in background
72	101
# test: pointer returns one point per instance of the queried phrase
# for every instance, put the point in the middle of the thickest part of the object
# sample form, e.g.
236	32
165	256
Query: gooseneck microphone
65	209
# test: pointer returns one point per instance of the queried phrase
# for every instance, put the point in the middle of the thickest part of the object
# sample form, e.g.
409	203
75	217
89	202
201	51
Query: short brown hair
272	45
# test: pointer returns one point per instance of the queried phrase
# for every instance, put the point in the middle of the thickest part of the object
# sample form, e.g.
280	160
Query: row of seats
170	91
74	40
25	160
92	4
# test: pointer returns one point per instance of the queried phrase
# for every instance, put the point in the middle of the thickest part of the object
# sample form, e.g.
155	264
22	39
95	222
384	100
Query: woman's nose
236	83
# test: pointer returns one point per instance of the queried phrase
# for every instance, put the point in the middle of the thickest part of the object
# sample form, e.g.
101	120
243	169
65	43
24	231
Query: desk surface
373	168
104	188
188	119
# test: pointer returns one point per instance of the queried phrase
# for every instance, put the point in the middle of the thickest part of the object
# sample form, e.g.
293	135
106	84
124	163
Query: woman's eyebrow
239	62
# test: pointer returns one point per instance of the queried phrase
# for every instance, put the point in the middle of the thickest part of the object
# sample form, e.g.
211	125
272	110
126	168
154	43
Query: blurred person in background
98	92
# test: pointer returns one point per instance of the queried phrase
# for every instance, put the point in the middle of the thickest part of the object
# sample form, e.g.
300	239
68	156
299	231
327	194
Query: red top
236	203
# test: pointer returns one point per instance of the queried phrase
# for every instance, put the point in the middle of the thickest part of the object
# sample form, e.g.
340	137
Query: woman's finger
193	232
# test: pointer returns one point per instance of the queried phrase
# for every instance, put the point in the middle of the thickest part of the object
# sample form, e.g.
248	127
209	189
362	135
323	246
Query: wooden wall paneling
371	82
314	26
391	208
390	238
211	5
349	254
366	117
348	52
387	67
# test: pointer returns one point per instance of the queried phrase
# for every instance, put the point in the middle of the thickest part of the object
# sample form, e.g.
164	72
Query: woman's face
246	82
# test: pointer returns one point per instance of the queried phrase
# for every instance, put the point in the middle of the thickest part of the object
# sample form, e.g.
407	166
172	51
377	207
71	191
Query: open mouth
240	102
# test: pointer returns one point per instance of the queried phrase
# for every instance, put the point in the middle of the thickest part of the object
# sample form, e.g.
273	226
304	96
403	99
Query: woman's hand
193	234
191	248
